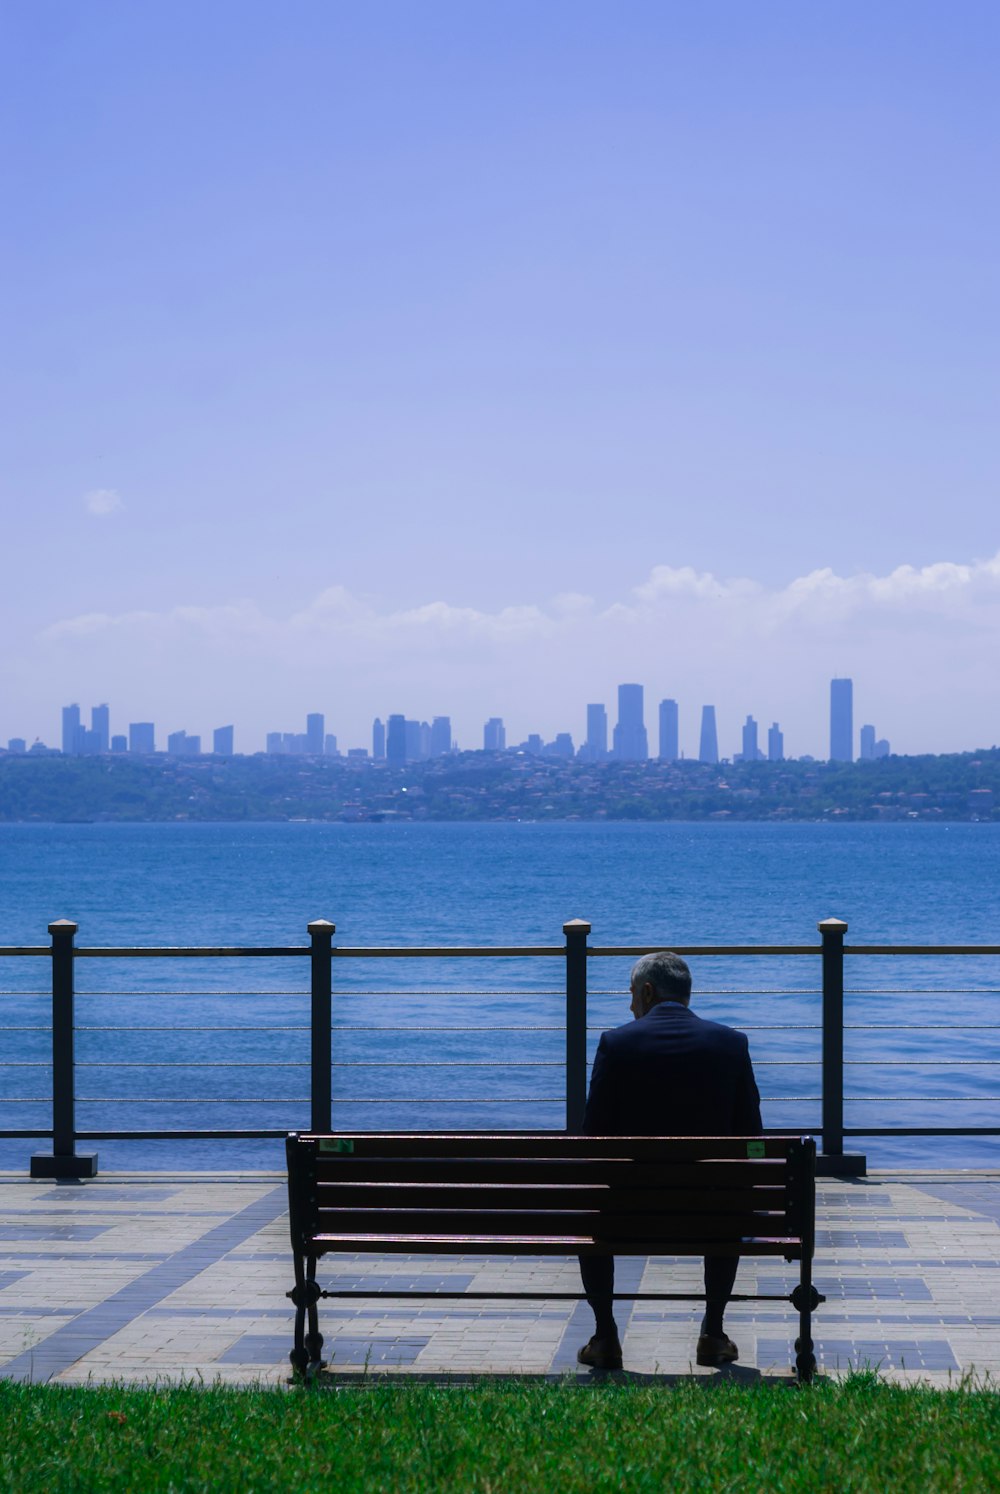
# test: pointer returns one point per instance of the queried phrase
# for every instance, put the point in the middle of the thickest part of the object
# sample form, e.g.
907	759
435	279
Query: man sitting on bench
668	1073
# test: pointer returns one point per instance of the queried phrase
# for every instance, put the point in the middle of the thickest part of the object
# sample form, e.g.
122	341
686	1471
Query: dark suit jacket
670	1073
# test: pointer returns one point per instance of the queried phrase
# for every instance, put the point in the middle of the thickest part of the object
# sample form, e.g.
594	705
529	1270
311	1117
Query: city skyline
399	739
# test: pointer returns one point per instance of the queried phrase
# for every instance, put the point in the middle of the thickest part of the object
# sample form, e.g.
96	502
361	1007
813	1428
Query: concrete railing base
842	1165
48	1165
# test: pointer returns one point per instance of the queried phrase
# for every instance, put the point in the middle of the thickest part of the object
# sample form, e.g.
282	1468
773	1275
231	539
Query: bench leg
804	1298
305	1355
313	1339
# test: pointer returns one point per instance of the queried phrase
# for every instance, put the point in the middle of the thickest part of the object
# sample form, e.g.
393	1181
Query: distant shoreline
494	788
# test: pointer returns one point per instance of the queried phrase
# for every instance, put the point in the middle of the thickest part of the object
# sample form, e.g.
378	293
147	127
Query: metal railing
575	955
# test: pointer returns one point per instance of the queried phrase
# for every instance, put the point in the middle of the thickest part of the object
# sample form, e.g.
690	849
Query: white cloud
683	581
102	501
572	604
819	599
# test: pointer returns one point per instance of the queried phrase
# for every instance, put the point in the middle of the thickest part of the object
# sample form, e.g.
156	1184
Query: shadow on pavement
736	1374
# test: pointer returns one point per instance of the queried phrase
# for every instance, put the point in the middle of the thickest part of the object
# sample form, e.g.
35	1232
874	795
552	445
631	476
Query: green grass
855	1435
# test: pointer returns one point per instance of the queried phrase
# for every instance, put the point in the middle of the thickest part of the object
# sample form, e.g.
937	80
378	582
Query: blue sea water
456	1042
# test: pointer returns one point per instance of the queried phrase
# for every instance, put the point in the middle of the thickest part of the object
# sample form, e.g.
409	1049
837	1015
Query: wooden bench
548	1193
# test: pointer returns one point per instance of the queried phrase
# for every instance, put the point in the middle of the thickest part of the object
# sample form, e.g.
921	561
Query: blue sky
472	358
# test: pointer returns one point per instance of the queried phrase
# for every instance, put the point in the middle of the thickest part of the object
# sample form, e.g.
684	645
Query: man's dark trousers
670	1073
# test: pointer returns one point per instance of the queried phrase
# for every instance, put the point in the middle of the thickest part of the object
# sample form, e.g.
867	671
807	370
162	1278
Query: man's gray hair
666	972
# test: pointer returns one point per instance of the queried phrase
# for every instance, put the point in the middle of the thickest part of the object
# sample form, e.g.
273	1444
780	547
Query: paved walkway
173	1277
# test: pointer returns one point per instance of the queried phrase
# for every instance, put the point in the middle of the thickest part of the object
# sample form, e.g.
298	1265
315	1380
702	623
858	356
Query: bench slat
642	1174
517	1195
527	1245
541	1144
503	1222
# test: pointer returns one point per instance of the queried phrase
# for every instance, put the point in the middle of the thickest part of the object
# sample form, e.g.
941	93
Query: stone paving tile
119	1278
58	1232
109	1194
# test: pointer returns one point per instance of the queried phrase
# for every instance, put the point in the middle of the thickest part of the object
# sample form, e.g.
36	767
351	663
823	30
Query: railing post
62	1161
321	1021
576	932
833	1162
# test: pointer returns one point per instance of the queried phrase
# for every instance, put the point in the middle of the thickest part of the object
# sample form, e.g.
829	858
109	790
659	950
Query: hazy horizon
474	360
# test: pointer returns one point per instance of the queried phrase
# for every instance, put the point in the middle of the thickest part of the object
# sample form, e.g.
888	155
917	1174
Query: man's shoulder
722	1029
673	1016
611	1036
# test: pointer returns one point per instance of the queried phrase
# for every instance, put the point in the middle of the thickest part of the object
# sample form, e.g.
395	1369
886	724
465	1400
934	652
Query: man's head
658	977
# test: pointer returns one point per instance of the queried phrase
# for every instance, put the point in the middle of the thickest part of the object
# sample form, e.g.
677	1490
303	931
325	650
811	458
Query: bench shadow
733	1374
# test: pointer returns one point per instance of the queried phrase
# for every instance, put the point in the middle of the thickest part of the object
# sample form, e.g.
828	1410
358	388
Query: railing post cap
576	926
832	926
321	926
63	927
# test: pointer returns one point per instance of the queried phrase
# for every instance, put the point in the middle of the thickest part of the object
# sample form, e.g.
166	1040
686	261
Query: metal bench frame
548	1193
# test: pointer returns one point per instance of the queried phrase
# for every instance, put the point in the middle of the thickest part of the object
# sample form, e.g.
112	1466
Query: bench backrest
549	1193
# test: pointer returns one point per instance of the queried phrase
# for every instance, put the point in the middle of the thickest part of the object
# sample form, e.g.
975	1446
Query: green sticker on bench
755	1149
335	1144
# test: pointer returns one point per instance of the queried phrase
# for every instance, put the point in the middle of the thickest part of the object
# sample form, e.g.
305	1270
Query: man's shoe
601	1353
714	1351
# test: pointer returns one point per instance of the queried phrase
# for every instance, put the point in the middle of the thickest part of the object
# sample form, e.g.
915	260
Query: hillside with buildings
501	785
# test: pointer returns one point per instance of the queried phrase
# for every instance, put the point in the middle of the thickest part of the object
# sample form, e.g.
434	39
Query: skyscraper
842	721
708	746
395	741
494	735
315	732
71	730
595	748
141	737
418	741
775	744
378	740
669	744
440	736
100	725
630	741
222	741
749	740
